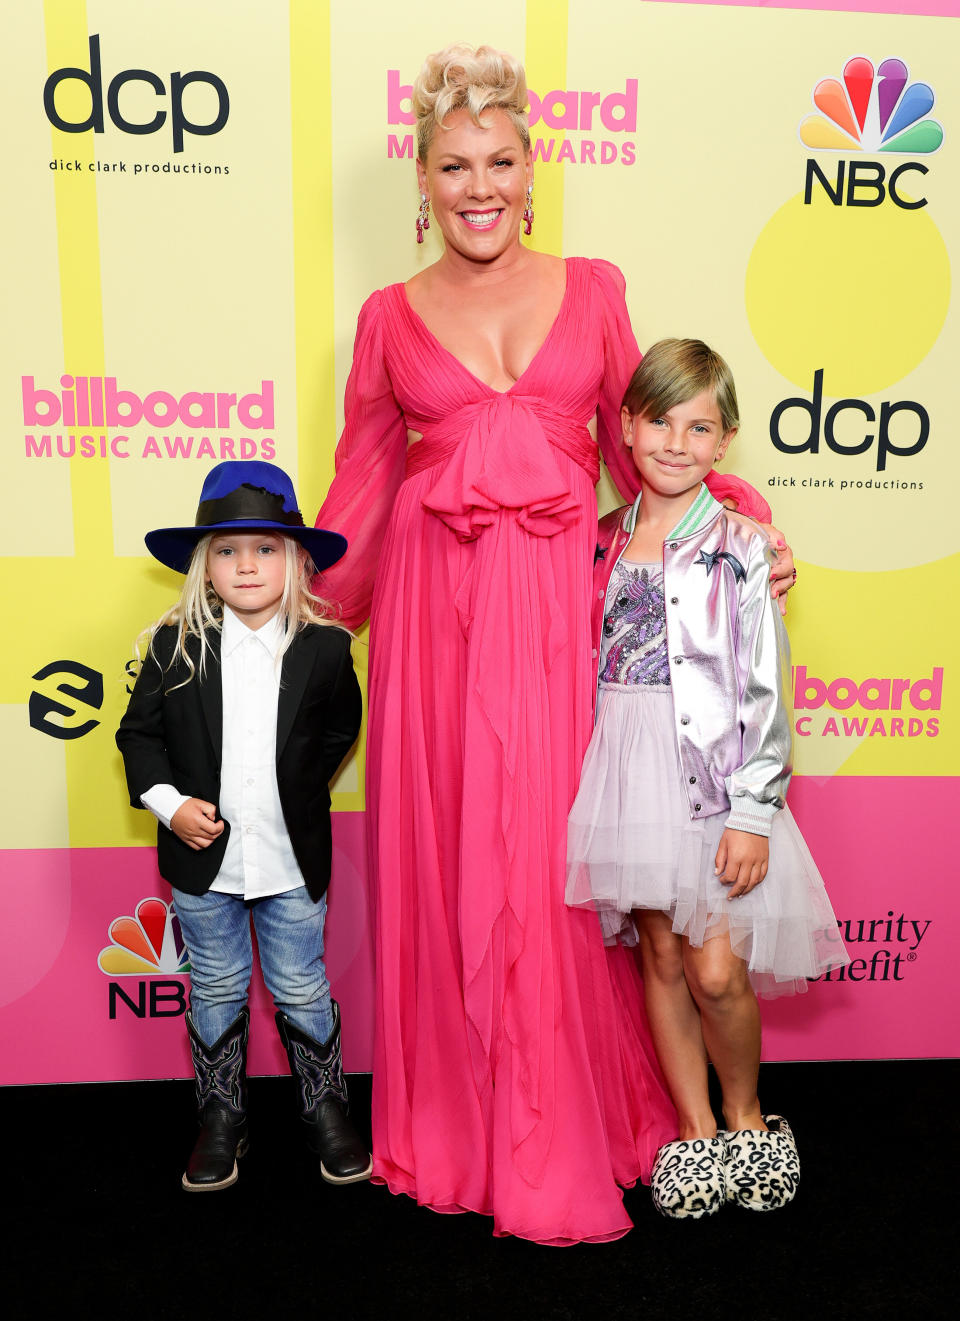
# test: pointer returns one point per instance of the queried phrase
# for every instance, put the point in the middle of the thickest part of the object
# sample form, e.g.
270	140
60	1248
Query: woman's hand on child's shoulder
783	574
195	823
741	861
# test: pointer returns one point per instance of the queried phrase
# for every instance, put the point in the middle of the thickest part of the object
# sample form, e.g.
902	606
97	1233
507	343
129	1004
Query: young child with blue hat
245	705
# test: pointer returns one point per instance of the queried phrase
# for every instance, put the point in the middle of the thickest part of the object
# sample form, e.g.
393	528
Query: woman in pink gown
513	1070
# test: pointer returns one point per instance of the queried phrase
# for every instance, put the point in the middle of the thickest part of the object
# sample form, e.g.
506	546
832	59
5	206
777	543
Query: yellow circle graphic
861	291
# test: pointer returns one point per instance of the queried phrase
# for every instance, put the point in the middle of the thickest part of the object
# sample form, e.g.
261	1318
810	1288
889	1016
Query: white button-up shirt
259	858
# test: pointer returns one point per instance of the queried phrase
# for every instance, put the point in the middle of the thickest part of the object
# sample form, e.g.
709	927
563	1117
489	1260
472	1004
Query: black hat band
247	502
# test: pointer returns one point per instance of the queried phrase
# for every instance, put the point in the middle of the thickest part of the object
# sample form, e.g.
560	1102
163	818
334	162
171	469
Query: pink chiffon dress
514	1073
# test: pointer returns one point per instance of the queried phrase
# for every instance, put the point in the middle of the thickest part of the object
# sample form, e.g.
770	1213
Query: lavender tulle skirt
631	844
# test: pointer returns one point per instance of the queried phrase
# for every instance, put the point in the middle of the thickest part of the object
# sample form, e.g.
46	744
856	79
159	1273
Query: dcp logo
92	78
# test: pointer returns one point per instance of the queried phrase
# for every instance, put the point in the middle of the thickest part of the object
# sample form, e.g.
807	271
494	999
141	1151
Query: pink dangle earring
423	219
528	211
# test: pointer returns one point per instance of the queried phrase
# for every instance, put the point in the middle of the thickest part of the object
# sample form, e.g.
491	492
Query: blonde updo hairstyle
463	78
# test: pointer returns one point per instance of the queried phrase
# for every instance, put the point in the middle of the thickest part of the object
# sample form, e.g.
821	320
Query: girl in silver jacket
679	835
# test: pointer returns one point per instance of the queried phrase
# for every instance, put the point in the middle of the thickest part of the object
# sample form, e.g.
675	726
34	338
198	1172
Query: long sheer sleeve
621	357
370	463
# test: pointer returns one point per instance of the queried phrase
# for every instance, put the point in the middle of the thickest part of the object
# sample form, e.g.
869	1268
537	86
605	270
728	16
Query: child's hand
741	861
783	575
194	823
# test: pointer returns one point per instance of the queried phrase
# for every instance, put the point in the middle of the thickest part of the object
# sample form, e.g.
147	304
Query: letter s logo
42	707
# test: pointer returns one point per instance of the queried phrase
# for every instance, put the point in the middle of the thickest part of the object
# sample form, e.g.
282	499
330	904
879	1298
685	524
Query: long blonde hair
199	608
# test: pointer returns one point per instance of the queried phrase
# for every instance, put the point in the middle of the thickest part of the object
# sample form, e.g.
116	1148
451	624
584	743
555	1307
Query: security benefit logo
881	949
146	945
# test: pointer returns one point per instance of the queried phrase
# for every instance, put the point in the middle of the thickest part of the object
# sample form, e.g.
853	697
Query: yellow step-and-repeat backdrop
200	196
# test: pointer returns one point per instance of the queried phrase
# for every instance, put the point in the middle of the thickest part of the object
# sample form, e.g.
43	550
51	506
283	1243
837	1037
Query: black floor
99	1225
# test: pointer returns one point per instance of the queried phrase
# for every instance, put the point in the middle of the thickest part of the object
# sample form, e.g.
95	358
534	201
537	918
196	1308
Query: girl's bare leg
730	1024
675	1024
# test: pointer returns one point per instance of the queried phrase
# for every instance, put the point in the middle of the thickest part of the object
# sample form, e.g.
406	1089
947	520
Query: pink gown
513	1071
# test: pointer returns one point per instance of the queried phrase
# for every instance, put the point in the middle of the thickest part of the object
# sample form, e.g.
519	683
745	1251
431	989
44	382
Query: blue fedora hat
245	496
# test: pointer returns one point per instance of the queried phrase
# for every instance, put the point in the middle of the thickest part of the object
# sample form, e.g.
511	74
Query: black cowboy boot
323	1102
221	1078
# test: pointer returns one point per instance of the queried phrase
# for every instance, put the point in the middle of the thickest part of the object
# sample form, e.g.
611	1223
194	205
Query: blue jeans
216	931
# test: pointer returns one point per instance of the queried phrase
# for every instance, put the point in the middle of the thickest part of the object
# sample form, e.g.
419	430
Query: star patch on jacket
709	558
599	554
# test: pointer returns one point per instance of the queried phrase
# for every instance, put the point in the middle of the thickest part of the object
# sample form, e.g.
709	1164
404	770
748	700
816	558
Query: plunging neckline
462	365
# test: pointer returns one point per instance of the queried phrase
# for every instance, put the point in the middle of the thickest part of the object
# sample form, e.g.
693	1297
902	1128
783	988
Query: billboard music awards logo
143	946
871	708
84	404
847	287
600	120
137	103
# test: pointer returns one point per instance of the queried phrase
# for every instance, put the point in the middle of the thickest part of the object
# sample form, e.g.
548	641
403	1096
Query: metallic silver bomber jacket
729	658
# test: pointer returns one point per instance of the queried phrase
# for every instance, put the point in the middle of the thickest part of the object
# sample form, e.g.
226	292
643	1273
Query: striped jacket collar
703	511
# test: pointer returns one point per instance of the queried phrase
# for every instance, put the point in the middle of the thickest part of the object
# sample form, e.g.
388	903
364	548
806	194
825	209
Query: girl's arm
370	463
758	787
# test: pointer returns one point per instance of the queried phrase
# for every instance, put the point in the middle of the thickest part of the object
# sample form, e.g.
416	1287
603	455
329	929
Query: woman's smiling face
476	179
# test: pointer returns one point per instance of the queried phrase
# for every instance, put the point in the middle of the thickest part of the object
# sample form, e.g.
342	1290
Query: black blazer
173	735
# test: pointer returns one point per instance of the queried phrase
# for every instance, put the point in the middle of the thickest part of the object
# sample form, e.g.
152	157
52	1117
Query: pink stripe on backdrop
883	845
886	851
56	910
936	8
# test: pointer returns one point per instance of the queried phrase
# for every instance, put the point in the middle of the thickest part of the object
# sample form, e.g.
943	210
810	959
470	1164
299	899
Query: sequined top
633	646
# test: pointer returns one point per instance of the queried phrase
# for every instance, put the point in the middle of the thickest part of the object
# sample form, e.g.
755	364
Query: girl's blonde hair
674	371
199	607
462	77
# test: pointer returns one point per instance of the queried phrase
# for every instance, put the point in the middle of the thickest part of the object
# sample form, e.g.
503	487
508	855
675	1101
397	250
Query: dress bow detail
501	457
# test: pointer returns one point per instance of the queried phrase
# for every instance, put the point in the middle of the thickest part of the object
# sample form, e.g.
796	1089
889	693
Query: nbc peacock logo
149	943
873	110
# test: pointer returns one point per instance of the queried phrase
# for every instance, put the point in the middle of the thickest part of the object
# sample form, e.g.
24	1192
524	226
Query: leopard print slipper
688	1178
763	1168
